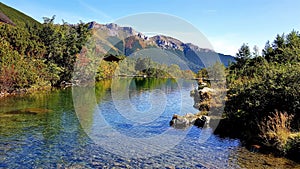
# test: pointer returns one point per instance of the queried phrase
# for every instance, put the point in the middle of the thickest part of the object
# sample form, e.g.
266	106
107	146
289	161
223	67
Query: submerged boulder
29	111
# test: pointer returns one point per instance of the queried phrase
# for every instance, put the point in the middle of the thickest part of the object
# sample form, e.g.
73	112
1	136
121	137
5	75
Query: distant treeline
141	66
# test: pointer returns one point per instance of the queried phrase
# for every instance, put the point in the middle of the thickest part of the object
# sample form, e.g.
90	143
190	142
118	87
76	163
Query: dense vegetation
263	100
35	55
262	105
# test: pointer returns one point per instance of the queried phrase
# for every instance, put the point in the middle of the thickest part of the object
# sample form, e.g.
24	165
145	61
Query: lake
119	123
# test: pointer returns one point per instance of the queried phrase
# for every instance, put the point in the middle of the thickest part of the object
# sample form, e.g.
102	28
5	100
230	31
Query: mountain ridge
127	41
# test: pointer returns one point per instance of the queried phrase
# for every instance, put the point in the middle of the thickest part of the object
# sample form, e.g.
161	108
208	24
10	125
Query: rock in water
29	111
200	122
179	122
183	122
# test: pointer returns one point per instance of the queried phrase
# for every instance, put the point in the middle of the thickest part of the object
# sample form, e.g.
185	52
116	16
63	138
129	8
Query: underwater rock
29	111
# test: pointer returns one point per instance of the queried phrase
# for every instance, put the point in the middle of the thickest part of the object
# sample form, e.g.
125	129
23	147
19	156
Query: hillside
127	41
16	16
5	19
37	56
34	55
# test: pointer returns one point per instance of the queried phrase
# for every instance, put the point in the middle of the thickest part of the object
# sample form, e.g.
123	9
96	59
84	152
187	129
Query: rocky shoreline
205	101
4	95
7	94
20	92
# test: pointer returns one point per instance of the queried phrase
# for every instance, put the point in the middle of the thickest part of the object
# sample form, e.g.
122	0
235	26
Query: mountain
119	40
15	17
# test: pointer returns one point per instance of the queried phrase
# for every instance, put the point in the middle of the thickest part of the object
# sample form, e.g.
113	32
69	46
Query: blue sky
226	23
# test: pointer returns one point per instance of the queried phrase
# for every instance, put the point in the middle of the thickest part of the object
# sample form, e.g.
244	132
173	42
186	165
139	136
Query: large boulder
202	98
185	121
201	121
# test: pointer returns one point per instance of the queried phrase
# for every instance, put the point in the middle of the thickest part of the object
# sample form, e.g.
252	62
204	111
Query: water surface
57	139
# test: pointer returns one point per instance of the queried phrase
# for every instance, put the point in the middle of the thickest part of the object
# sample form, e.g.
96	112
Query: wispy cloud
95	11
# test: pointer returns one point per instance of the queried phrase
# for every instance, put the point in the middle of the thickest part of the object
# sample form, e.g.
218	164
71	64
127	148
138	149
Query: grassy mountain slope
16	16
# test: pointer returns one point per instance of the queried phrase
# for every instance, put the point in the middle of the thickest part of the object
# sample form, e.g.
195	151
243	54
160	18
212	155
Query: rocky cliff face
166	42
127	41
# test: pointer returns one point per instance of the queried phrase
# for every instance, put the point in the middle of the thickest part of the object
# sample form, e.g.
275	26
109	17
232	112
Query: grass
276	131
16	16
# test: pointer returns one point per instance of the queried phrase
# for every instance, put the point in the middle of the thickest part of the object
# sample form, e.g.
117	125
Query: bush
272	87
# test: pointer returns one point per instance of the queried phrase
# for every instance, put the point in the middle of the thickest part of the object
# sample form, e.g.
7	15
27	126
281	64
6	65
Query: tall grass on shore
276	131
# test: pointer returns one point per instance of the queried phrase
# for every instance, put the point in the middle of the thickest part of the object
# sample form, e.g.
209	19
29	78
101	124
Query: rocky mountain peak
167	42
197	48
113	29
127	41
